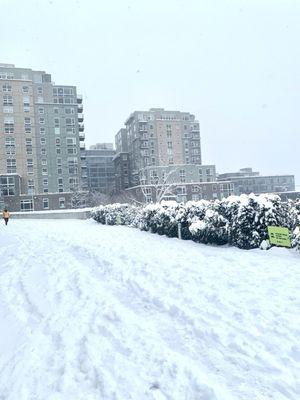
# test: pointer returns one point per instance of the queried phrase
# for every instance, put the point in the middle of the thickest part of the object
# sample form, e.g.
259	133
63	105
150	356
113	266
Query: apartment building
159	137
101	168
159	151
41	139
156	138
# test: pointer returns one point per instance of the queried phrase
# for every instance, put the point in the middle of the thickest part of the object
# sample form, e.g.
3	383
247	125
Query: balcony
82	146
79	99
80	108
80	118
81	127
81	136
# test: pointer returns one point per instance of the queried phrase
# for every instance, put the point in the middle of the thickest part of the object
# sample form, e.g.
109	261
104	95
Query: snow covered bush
161	218
213	228
296	238
115	214
241	221
249	217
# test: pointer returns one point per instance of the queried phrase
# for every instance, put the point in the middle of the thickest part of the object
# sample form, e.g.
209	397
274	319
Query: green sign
279	236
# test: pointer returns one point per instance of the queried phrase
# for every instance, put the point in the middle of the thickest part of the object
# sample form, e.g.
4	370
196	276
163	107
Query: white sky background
234	64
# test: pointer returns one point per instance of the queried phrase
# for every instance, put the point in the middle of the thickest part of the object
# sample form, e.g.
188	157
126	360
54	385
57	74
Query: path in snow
93	312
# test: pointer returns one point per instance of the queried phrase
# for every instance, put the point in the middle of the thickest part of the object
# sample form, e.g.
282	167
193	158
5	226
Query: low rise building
246	181
181	192
100	168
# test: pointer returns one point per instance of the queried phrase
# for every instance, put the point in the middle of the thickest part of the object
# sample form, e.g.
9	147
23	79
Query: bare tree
160	185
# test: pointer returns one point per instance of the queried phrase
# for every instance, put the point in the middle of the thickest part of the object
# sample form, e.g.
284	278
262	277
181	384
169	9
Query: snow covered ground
93	312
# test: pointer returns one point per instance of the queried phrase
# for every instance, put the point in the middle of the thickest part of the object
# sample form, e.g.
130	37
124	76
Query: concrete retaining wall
74	214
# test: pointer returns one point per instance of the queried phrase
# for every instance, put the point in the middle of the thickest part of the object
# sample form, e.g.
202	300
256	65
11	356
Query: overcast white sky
234	64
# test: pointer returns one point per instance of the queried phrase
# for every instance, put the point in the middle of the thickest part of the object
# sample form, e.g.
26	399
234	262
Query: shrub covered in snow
296	238
241	221
212	228
249	217
115	214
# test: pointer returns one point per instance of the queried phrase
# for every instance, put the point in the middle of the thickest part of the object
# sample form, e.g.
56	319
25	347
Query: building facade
246	181
155	138
41	134
159	137
181	192
101	168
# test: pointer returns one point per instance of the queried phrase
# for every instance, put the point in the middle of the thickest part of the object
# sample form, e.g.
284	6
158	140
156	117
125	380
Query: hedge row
239	221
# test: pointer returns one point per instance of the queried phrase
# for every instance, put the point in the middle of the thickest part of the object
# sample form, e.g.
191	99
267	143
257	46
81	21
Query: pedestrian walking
6	216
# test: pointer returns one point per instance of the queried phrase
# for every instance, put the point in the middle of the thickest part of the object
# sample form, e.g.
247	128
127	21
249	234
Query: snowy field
92	312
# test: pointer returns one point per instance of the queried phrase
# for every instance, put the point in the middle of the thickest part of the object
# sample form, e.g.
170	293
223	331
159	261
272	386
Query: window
44	171
6	87
61	202
57	141
11	166
45	203
43	141
26	101
73	166
7	100
69	110
25	89
45	182
56	122
71	150
181	190
30	165
70	129
28	149
60	184
170	145
30	186
40	90
58	150
41	110
182	175
70	121
8	110
42	120
6	75
44	161
10	146
73	182
71	141
56	110
26	205
7	186
43	151
27	124
68	92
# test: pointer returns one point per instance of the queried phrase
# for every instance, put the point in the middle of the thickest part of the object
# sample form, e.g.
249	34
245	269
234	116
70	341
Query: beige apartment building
41	140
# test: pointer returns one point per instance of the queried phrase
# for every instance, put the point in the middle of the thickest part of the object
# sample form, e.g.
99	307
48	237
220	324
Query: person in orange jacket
6	216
